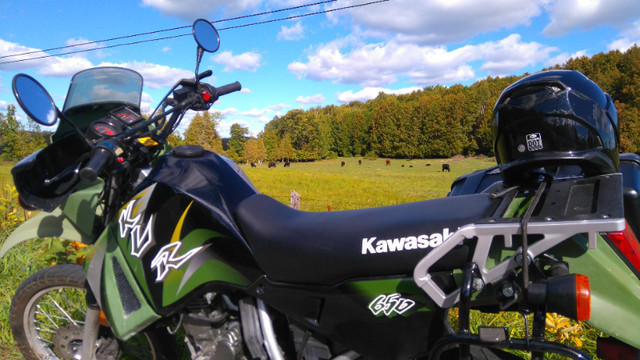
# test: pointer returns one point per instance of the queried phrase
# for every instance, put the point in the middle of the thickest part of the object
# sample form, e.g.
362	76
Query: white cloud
245	90
228	111
369	93
311	100
563	58
9	51
255	112
629	37
190	10
63	67
432	22
278	107
374	65
291	33
156	76
146	103
248	61
567	15
511	54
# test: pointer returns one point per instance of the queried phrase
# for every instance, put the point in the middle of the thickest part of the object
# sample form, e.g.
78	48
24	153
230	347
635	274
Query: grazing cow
287	163
342	164
359	162
388	162
253	165
428	164
402	165
272	164
445	167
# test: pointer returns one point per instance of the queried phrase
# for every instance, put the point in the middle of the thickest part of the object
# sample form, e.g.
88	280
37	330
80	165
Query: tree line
435	122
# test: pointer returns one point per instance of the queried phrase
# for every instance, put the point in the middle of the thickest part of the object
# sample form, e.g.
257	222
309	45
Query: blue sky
396	46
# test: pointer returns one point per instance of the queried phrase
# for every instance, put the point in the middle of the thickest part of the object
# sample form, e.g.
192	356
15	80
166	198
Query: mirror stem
199	58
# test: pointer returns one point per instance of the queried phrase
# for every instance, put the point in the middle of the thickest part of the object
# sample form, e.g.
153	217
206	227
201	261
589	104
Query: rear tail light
613	349
628	245
569	295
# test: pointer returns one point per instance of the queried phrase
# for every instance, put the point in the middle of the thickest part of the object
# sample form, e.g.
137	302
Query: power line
164	30
182	35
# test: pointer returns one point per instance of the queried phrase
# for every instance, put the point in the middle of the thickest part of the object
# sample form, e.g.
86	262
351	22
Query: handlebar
229	88
100	157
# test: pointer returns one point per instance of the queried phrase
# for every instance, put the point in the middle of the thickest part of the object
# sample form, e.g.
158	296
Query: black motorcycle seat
326	248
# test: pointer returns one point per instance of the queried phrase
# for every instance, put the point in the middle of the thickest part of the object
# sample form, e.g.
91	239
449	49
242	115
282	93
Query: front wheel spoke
56	317
50	298
40	329
49	342
70	302
46	315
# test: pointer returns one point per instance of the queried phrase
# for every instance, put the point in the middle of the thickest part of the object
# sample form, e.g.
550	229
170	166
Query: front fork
91	326
497	337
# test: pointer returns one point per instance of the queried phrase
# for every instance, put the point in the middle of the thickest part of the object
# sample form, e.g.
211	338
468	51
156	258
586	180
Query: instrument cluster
113	124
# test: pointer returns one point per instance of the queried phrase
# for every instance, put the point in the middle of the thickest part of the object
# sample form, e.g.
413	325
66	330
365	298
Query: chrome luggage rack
570	207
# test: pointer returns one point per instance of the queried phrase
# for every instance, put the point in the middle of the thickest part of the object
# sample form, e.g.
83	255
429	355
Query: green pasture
325	184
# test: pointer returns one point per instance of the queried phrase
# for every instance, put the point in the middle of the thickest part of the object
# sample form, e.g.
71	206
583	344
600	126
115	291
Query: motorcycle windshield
104	85
95	92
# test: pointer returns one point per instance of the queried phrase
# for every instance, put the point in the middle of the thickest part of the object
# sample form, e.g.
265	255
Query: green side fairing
128	311
202	268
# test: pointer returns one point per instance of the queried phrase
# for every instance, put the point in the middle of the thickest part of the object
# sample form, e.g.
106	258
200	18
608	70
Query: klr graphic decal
131	226
390	305
168	258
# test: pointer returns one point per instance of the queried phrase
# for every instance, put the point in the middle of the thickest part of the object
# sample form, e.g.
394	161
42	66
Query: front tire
47	316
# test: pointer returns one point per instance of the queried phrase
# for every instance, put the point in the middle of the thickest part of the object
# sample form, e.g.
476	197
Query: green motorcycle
182	245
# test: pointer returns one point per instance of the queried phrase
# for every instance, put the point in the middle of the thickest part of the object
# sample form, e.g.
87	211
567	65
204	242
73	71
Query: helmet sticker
534	142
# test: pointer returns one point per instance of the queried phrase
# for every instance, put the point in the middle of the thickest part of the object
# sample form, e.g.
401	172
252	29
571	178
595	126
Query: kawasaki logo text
374	246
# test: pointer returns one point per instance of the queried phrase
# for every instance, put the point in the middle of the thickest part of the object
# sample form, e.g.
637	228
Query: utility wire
182	35
166	30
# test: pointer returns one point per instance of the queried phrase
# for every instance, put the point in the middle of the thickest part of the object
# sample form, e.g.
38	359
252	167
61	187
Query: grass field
324	185
371	184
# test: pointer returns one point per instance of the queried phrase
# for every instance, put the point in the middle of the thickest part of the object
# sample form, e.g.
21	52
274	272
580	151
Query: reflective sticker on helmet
534	142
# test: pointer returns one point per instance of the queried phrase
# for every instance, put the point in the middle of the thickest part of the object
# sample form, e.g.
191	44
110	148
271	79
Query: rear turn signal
614	349
628	245
569	295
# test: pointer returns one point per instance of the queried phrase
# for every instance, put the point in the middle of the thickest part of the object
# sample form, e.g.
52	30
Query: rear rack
571	207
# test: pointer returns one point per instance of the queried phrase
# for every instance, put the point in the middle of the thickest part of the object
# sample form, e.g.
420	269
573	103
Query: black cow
253	165
272	164
287	164
359	162
445	167
341	165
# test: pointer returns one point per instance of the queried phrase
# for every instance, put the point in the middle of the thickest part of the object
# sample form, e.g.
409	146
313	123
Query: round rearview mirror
34	100
206	35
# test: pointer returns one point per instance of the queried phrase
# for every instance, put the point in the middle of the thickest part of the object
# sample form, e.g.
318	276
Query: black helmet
554	118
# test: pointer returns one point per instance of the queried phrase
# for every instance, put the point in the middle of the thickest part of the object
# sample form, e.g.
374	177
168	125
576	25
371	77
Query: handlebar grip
100	157
229	88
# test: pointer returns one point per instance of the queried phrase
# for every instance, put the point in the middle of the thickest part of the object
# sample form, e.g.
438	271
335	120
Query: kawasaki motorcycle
183	246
